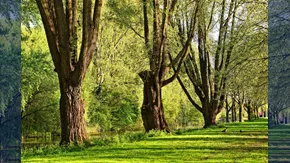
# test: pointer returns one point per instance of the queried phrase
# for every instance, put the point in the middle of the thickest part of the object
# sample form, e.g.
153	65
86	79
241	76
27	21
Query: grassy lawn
203	145
279	144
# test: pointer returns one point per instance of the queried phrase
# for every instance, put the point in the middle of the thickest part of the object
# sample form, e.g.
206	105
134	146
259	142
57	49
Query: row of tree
216	49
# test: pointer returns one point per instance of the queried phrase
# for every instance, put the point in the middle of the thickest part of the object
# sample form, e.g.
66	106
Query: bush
156	133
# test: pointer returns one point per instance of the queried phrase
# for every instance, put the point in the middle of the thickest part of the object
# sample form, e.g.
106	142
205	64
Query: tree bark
73	125
209	113
209	119
152	110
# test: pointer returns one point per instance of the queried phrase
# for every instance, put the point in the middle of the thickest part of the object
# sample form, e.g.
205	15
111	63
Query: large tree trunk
209	115
73	125
209	119
152	109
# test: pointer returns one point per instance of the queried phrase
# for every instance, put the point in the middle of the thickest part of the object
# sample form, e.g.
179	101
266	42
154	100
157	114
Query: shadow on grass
175	154
217	139
206	144
202	148
219	132
279	144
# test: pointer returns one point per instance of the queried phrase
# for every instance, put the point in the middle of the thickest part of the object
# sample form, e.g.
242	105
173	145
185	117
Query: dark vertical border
279	81
10	81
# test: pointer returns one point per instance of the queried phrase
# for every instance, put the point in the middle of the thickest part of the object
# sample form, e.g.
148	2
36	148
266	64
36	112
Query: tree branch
187	44
146	25
186	91
90	34
50	29
38	110
173	77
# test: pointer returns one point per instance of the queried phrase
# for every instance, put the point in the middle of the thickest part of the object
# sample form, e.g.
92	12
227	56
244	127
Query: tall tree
158	49
206	75
60	22
210	66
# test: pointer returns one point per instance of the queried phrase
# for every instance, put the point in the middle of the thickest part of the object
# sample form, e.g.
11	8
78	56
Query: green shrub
156	133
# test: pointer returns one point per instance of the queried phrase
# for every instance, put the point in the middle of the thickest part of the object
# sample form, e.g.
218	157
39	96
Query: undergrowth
104	140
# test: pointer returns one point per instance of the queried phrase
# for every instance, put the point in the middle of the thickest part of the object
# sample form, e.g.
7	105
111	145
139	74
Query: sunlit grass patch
204	145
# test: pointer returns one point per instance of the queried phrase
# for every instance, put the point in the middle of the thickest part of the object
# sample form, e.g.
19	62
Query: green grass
279	144
203	145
